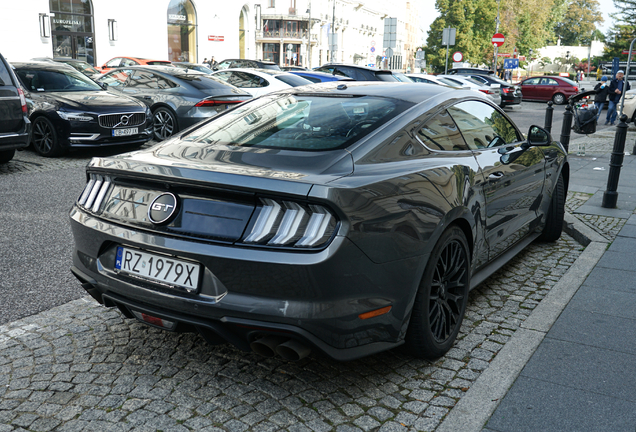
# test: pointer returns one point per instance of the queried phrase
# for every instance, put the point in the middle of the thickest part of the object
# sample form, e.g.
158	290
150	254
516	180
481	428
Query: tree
618	39
579	23
627	14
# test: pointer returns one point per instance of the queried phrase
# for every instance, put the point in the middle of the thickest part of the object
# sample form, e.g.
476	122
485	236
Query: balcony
282	34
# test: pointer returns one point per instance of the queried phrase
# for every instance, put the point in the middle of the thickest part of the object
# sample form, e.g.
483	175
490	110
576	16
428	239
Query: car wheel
45	140
558	99
441	298
6	155
164	123
554	220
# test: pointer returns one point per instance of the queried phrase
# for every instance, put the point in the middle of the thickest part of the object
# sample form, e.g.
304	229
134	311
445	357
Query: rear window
569	81
159	63
203	82
299	122
5	78
293	80
385	77
270	66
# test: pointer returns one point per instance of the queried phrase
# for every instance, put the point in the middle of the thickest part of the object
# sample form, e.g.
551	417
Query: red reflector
375	313
212	102
152	320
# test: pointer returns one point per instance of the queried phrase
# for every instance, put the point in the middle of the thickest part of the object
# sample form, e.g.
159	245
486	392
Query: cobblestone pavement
601	142
606	226
81	366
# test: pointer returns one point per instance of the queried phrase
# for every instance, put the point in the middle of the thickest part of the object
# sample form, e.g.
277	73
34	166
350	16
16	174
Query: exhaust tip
292	350
266	346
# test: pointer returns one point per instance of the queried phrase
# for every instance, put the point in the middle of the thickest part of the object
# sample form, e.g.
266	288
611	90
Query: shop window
182	29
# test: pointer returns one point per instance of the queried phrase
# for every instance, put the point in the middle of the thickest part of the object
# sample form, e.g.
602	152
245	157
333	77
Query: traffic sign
372	49
457	57
372	43
388	52
498	39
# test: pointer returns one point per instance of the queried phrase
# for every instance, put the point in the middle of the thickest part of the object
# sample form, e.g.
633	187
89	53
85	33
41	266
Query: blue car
320	76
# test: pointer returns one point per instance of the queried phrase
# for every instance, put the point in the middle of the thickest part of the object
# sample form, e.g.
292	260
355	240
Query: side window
241	80
552	82
5	78
114	63
128	62
343	72
223	65
532	81
142	80
328	70
164	83
480	79
482	125
225	76
116	79
441	133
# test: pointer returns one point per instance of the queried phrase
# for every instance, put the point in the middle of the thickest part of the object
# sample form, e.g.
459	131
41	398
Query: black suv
243	63
358	73
15	126
469	70
510	94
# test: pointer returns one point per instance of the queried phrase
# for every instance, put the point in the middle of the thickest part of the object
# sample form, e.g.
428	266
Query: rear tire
558	99
6	156
441	299
554	219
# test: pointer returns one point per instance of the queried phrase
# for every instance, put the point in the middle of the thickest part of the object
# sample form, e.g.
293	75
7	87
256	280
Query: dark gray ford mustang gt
346	218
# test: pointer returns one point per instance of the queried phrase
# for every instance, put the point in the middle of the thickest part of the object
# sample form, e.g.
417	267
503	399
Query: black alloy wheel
164	123
45	140
441	299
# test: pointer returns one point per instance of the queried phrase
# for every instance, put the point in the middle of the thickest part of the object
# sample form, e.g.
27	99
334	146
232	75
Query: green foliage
618	39
579	23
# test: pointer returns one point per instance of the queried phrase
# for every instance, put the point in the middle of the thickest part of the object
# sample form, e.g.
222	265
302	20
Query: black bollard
610	196
547	125
566	128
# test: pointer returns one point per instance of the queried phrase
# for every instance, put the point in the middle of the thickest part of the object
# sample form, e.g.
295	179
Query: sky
429	14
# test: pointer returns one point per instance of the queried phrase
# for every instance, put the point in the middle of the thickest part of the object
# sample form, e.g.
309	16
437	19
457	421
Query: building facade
288	32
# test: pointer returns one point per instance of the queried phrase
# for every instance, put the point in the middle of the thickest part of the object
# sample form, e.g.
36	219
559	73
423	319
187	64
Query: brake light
576	89
22	101
213	102
484	91
508	90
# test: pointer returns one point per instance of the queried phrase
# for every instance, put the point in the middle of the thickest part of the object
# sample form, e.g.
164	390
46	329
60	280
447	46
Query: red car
131	61
556	89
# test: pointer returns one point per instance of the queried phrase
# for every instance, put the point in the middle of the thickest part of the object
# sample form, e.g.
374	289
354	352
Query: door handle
496	175
146	97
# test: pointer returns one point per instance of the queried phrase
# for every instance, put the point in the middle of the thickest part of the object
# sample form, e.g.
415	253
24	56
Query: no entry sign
498	39
457	57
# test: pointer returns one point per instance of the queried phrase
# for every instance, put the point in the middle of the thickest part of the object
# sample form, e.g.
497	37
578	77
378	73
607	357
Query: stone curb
474	409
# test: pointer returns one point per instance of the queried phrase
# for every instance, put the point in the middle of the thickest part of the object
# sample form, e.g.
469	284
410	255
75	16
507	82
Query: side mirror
103	85
537	136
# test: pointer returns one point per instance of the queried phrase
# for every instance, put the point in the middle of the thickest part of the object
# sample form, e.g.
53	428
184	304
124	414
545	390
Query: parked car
177	98
358	73
402	77
492	90
556	89
69	110
246	64
78	65
629	109
343	219
433	79
293	68
15	126
469	70
316	77
258	82
132	61
510	94
193	66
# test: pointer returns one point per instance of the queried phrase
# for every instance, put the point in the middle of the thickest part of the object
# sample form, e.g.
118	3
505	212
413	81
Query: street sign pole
494	60
447	48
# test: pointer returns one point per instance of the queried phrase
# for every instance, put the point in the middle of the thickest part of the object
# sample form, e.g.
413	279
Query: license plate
125	132
161	269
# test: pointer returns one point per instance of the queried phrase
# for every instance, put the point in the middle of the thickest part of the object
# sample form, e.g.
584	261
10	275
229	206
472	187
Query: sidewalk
571	366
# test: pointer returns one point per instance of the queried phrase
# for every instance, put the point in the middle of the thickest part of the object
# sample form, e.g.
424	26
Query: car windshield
273	66
47	80
83	67
401	77
293	80
305	122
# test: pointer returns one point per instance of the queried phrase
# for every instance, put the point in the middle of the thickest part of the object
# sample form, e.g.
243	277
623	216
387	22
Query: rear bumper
315	298
16	140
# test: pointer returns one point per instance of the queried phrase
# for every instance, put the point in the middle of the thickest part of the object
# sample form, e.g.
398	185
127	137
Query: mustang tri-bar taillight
287	223
94	192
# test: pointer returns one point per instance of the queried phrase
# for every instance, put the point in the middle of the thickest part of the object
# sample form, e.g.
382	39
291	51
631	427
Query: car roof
258	61
272	72
44	65
320	74
169	70
410	92
357	67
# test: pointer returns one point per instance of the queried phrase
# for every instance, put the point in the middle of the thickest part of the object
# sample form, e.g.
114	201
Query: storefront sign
66	22
216	38
176	17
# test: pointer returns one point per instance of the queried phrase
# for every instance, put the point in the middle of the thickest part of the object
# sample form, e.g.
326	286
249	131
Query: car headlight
74	116
630	96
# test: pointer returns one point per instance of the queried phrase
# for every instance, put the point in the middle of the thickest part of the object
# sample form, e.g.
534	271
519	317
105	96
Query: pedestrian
616	88
213	63
602	90
205	61
599	73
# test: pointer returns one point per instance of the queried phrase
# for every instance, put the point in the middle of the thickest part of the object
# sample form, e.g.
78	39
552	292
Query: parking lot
68	364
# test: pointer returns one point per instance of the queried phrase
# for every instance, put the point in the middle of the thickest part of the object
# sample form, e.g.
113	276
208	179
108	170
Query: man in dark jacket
602	90
617	86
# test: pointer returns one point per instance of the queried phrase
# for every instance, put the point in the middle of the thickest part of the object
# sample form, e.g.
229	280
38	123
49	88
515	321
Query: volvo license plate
125	132
161	269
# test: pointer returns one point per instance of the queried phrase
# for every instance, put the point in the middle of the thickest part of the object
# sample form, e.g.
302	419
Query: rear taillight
93	194
287	223
22	101
576	89
508	90
215	102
